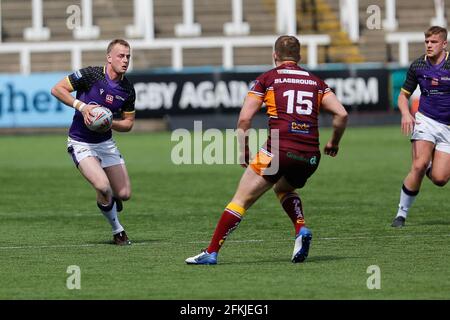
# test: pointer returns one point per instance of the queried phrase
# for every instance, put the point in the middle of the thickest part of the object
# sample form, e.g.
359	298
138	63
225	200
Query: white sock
113	220
407	198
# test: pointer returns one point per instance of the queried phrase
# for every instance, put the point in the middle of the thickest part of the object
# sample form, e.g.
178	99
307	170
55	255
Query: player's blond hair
287	48
117	41
436	30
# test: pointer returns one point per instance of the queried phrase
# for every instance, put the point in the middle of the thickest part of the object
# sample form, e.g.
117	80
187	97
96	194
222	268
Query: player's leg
291	202
422	152
292	205
120	183
114	167
250	188
121	189
440	171
298	167
91	169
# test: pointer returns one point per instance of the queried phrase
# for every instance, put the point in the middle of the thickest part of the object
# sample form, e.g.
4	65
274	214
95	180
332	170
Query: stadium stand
330	35
412	16
321	16
112	17
314	17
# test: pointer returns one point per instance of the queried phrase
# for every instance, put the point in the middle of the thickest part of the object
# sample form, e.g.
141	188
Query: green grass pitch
49	221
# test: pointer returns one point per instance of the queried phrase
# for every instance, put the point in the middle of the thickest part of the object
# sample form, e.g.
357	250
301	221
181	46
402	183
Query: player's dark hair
436	30
117	41
287	48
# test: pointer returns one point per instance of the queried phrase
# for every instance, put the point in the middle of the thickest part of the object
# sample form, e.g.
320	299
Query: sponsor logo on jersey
297	72
101	91
299	127
297	157
120	98
312	161
445	78
81	150
109	99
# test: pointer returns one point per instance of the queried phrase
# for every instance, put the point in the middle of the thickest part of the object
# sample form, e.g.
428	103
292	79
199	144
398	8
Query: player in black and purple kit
95	154
430	126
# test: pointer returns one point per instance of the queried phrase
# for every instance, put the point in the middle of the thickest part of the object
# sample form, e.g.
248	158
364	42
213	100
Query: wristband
75	104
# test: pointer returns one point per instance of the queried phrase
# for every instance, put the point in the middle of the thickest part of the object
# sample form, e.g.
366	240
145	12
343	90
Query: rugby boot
121	239
302	244
203	258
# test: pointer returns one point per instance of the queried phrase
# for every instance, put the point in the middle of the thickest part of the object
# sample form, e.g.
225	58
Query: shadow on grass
139	242
313	259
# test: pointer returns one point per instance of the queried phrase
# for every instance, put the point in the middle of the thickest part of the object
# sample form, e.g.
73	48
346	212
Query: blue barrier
26	101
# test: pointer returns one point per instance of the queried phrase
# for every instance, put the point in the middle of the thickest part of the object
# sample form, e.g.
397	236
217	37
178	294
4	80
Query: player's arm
128	114
331	104
252	105
62	90
408	120
125	124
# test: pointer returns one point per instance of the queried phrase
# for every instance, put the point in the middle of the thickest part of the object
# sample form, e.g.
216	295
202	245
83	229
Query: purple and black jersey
93	86
434	83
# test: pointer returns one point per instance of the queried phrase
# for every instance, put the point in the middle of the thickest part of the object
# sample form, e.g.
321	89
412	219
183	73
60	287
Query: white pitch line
233	241
69	246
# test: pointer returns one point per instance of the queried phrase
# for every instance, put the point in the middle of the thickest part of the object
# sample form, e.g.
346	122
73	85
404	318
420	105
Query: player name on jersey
296	81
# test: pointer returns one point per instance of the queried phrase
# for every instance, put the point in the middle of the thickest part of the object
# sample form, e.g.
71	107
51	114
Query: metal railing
76	48
403	39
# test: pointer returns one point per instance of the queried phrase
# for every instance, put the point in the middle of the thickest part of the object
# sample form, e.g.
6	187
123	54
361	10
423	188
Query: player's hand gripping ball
102	119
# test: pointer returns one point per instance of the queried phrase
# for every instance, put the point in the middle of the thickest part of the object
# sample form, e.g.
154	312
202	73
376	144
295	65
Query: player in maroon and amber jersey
95	153
293	97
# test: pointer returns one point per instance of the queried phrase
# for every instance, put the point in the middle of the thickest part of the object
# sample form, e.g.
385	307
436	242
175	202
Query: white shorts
106	152
430	130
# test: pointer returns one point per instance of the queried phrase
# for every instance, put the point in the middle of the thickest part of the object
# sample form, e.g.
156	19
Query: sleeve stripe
405	91
257	93
70	83
256	96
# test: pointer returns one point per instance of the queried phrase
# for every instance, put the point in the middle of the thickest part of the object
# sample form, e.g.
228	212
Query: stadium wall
209	94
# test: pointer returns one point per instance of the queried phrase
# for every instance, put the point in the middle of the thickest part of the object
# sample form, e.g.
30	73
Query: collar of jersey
446	57
121	78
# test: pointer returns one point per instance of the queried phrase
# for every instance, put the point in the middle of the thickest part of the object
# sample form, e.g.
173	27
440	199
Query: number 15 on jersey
304	107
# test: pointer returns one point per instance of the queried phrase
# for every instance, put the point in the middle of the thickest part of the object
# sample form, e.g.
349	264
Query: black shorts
296	167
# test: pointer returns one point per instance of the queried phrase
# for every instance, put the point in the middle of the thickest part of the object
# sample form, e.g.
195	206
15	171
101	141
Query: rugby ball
101	120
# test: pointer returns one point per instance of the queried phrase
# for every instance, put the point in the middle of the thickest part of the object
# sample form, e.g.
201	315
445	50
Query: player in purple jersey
430	127
95	154
293	97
